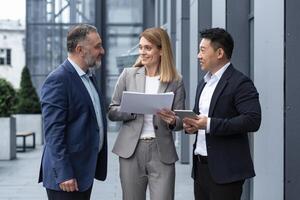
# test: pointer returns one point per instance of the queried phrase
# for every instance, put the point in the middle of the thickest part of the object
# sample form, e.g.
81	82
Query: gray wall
269	79
218	13
292	100
182	63
266	35
148	10
237	24
193	76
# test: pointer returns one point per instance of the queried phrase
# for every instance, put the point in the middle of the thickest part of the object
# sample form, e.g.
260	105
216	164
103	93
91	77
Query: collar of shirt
216	76
79	71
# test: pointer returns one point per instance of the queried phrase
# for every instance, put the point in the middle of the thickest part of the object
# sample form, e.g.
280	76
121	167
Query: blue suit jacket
234	111
71	131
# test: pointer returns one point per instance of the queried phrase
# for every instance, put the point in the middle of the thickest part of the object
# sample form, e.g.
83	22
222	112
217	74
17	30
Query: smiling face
149	53
208	56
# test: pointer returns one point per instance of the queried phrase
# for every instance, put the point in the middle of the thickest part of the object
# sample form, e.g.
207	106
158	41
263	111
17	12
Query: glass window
48	22
8	56
5	56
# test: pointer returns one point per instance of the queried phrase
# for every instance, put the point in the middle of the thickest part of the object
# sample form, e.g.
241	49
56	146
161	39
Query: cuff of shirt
208	125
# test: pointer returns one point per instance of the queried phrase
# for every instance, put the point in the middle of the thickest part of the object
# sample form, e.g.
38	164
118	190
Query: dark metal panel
172	23
237	24
204	22
148	13
292	100
185	44
185	71
100	23
157	13
205	14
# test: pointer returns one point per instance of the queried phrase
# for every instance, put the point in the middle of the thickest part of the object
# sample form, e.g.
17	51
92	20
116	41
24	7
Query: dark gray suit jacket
234	111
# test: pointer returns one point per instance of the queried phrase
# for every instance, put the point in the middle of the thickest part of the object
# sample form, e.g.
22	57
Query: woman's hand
167	115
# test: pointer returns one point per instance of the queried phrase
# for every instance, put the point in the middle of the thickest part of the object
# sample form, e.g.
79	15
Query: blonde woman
145	146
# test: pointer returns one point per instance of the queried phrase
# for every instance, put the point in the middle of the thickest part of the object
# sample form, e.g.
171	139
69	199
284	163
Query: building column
269	80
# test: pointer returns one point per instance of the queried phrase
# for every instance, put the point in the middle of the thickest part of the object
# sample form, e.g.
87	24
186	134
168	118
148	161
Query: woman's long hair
159	37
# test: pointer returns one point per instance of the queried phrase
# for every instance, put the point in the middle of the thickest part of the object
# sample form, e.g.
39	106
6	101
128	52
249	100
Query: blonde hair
160	38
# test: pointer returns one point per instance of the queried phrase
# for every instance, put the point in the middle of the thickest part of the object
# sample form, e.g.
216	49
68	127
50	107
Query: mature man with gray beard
75	126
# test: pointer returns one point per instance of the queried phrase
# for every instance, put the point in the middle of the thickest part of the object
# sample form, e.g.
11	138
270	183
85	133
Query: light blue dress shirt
85	77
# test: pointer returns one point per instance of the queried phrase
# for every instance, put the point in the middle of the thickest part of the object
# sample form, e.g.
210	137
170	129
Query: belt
202	159
147	139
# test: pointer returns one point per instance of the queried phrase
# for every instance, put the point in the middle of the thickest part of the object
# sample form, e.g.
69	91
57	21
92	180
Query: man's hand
167	115
69	186
192	125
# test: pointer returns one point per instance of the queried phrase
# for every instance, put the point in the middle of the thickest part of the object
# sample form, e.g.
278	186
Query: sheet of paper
141	103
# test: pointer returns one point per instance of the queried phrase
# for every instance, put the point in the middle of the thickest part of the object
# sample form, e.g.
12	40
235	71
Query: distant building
12	51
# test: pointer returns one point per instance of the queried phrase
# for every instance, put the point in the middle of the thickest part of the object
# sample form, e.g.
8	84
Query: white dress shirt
151	87
211	81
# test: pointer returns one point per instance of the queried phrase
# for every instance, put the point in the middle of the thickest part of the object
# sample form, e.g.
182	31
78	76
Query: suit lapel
196	106
162	87
140	80
219	88
199	91
80	85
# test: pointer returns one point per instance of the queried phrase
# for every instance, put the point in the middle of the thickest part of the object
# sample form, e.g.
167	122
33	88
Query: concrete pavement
18	178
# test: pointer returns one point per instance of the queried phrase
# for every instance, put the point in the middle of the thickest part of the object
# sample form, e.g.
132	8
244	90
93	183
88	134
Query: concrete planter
30	123
7	138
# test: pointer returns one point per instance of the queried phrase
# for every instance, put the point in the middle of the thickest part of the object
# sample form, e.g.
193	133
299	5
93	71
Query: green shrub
27	98
7	98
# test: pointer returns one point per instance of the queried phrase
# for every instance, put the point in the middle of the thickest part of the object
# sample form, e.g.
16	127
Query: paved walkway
18	178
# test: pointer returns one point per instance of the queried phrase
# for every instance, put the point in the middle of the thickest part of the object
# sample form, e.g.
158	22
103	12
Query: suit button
155	127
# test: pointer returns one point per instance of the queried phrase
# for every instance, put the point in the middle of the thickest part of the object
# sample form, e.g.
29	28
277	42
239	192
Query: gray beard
95	65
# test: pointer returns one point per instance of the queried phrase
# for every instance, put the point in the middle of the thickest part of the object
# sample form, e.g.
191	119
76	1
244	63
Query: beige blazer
133	79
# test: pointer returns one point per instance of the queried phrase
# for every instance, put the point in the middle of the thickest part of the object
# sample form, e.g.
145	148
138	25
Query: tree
7	98
27	98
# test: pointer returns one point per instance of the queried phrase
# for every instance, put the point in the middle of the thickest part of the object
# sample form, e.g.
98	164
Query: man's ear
79	49
221	53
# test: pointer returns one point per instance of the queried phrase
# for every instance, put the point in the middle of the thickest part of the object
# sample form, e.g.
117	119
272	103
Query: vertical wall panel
237	24
269	79
200	18
171	21
292	101
148	10
219	13
100	22
183	66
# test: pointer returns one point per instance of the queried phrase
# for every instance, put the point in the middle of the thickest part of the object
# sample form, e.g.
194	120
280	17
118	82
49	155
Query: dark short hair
219	39
77	34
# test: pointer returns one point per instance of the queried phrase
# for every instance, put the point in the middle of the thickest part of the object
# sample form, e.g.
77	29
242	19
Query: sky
12	9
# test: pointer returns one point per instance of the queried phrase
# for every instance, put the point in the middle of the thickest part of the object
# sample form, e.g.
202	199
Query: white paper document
141	103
